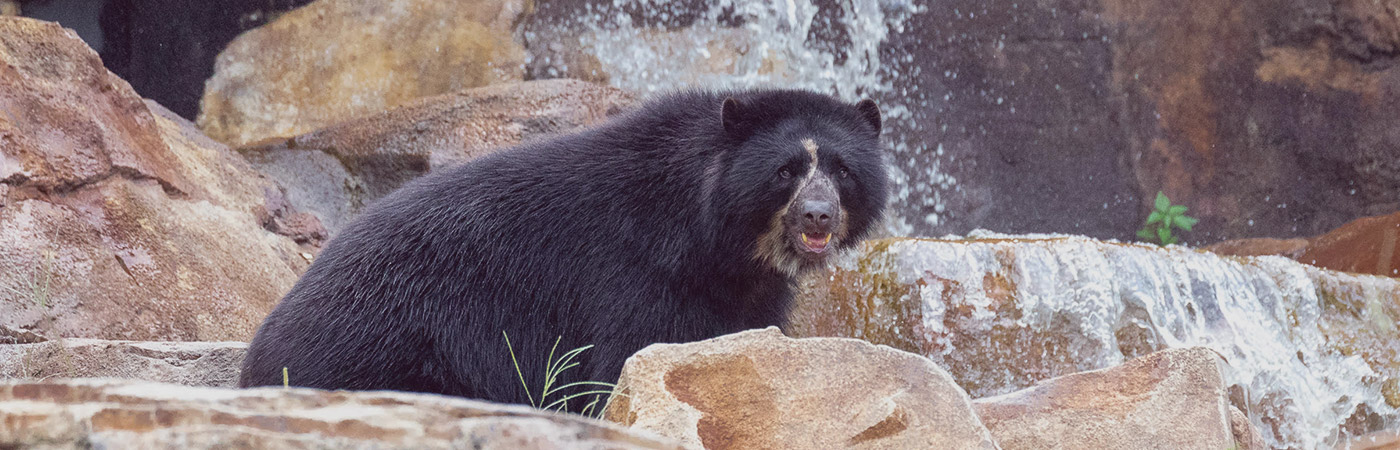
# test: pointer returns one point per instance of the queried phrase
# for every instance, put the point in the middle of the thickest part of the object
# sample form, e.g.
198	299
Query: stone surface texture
334	60
118	220
1170	399
335	171
1004	312
1365	245
123	414
209	364
1267	119
760	389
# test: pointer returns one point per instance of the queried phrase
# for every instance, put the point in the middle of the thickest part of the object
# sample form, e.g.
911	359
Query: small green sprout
285	383
1164	216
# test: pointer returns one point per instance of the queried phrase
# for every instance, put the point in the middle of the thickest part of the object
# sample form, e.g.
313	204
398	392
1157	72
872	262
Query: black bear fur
649	228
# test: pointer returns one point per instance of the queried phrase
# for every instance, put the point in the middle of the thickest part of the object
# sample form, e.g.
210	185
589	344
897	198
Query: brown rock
119	220
1170	399
124	414
1365	245
210	364
1246	436
760	389
1291	248
1380	440
334	60
336	170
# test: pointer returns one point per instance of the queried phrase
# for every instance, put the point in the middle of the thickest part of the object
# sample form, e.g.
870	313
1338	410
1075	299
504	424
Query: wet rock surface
1170	399
336	170
1003	312
760	389
334	60
125	414
118	219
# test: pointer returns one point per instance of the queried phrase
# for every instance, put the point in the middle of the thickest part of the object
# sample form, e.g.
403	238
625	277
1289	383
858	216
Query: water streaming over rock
792	43
1313	353
1310	351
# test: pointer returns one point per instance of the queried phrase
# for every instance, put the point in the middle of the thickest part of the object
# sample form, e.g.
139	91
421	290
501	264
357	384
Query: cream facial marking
811	147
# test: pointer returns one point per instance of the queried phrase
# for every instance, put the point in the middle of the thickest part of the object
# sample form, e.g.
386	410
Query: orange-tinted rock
118	220
334	60
126	414
336	170
1366	245
1171	399
760	389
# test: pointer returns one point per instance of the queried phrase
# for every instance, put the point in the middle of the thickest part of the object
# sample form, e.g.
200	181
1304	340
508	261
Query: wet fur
651	228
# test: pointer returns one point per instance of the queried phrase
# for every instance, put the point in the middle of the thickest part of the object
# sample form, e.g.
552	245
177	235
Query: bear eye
844	173
785	173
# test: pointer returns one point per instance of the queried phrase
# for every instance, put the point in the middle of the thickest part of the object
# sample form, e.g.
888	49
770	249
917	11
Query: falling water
774	44
1275	321
1308	350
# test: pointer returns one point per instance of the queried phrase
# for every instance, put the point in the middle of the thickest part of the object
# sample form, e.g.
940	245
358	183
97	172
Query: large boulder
1170	399
760	389
334	171
124	414
118	219
334	60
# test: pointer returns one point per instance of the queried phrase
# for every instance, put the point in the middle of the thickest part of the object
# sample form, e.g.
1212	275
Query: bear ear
731	116
870	112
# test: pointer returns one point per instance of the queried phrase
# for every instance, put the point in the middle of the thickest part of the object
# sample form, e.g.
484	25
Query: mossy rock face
1005	312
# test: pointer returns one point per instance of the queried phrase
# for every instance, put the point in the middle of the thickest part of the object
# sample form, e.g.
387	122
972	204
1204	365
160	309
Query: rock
1057	116
334	60
1381	440
335	171
209	364
166	48
1002	312
1365	245
1245	435
1290	248
1170	399
9	7
125	414
760	389
119	220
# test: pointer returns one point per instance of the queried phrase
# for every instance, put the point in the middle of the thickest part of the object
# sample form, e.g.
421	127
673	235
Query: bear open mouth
816	242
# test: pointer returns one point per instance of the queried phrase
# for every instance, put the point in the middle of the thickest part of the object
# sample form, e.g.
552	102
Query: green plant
1164	217
40	279
286	382
555	367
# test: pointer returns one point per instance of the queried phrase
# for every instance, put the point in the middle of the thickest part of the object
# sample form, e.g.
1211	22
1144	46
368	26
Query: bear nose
817	214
